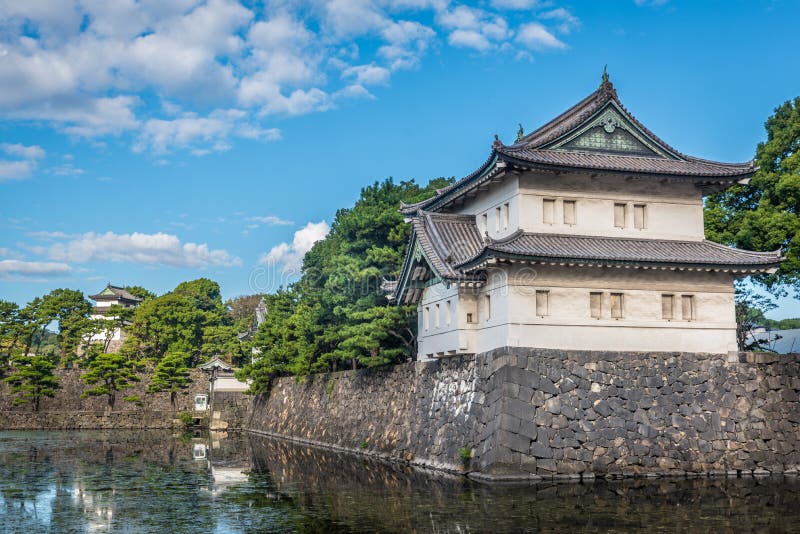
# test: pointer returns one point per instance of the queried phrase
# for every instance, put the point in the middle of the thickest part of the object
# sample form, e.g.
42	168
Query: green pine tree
171	374
33	379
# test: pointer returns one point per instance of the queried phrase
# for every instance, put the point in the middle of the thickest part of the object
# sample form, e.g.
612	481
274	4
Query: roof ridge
778	252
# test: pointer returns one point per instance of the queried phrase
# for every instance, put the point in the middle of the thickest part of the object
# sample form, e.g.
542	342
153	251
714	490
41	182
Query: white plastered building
586	234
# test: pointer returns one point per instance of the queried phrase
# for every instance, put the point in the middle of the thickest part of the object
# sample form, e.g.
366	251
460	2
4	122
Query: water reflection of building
228	460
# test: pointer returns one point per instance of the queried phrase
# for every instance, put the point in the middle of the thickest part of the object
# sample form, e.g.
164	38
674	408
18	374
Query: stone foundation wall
419	412
542	413
230	410
67	410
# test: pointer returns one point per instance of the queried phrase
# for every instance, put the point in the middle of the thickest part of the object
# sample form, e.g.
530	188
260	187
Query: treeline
166	336
336	314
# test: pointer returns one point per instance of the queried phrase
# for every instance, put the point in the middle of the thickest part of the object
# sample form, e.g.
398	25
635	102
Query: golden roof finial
605	75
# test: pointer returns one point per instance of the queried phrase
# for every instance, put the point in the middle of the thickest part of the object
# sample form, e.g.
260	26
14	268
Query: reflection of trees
24	486
70	482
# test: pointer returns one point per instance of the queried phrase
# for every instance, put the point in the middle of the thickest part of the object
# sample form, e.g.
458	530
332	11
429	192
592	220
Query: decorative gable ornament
612	133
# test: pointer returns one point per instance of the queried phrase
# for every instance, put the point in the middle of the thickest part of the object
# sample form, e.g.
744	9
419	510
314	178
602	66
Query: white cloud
22	151
157	249
566	21
19	169
15	170
151	71
201	135
534	35
271	220
474	28
367	74
67	169
290	256
33	268
515	4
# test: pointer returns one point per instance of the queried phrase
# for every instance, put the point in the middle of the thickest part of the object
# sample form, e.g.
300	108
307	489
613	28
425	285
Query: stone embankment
67	410
529	413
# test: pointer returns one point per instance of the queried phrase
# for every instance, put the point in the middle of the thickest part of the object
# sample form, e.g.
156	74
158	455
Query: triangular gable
418	273
108	292
611	131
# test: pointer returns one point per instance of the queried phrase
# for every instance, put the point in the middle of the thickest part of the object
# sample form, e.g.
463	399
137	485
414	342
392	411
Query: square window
470	318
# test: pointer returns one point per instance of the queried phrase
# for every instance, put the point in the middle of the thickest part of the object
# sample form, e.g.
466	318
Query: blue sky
153	142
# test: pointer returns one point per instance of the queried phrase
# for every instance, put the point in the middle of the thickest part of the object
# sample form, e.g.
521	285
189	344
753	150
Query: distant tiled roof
113	293
548	148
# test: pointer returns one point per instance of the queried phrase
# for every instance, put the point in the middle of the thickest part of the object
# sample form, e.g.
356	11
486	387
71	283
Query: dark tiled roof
690	167
628	250
118	292
457	252
447	240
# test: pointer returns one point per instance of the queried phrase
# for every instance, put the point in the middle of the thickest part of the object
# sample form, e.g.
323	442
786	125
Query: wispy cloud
156	249
270	220
33	268
25	163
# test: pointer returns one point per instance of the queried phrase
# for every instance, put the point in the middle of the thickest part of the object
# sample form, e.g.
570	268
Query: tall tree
177	321
10	329
750	310
171	374
112	372
337	313
764	215
32	379
71	310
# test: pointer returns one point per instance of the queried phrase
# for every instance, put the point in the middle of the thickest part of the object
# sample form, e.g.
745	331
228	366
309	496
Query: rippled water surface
160	482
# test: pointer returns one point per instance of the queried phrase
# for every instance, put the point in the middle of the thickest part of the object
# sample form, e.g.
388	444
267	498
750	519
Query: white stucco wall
503	195
569	325
674	210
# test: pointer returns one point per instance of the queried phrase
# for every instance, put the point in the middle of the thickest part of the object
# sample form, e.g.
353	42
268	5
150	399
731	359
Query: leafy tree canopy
183	320
764	215
337	313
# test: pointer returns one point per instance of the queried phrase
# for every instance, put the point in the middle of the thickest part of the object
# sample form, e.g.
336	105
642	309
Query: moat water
152	481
